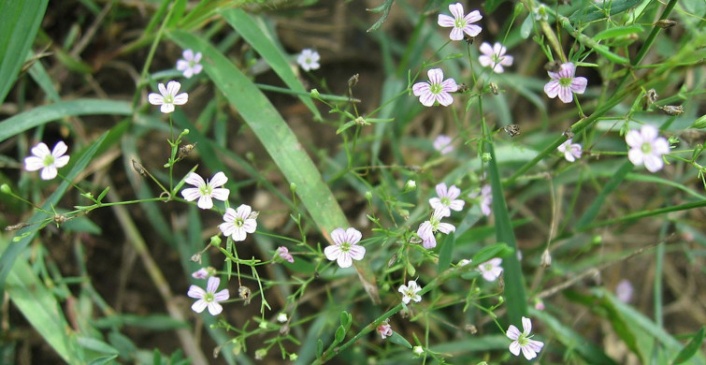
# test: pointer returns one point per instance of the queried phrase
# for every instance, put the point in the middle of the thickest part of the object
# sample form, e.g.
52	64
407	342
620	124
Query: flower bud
5	188
418	350
215	241
410	185
486	157
546	259
700	123
315	94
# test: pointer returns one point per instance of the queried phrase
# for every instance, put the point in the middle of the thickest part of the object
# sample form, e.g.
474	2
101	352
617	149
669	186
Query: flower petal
344	260
194	179
196	292
48	173
332	252
33	163
205	202
191	194
357	252
445	21
214	308
59	149
219	179
199	306
353	236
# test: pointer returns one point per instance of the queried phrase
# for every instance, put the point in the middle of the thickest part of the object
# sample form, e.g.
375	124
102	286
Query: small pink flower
485	196
624	291
523	340
201	273
564	84
494	57
571	151
491	269
205	191
647	148
345	247
208	298
384	329
168	97
427	230
284	254
442	143
437	89
308	59
189	66
446	199
47	161
460	23
237	223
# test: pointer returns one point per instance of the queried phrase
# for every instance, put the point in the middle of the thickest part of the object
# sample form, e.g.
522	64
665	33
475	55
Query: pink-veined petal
473	17
155	99
357	252
41	150
238	234
162	89
229	215
515	348
181	99
456	34
427	99
425	230
219	179
205	202
227	228
199	306
445	21
220	194
421	88
472	30
60	149
456	205
243	211
212	284
456	10
173	88
196	292
513	333
578	85
221	295
526	326
332	252
565	94
191	194
429	242
344	260
444	98
446	228
353	235
250	225
528	353
194	179
436	76
214	308
449	85
552	89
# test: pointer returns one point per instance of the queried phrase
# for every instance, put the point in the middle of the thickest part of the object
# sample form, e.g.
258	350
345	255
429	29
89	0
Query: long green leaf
44	114
279	141
39	307
259	37
19	22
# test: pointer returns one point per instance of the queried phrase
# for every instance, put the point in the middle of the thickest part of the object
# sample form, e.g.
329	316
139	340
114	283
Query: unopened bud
353	80
410	185
665	23
651	96
260	354
293	187
315	94
486	157
418	350
361	121
700	123
546	259
368	196
5	188
215	241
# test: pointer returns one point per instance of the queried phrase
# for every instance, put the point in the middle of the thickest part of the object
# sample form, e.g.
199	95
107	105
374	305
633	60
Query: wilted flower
460	23
168	97
47	161
284	254
189	66
494	57
564	84
345	247
308	60
208	298
437	89
384	329
571	151
647	147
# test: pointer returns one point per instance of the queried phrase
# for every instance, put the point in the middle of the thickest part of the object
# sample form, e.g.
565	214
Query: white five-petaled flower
189	66
446	200
168	97
494	57
442	143
427	230
486	199
571	151
461	23
284	254
384	329
345	247
437	89
491	269
47	161
647	147
208	298
523	340
564	84
409	292
238	222
540	13
308	59
206	191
